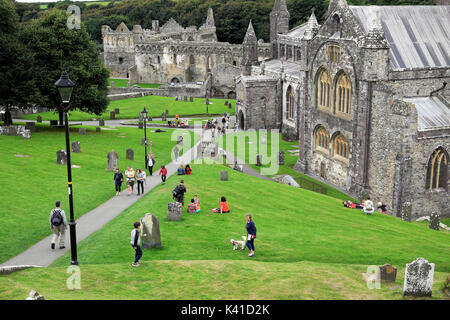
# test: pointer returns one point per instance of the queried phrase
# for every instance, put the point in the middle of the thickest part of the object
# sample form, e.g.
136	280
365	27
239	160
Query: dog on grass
238	243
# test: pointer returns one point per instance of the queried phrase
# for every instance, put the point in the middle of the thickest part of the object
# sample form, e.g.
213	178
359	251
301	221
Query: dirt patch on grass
18	155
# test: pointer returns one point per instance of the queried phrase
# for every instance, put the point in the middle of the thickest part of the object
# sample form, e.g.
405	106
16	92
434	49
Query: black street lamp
65	87
144	114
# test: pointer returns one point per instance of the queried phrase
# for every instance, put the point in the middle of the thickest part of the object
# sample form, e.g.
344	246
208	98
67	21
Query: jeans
118	186
250	245
141	186
163	178
150	170
138	254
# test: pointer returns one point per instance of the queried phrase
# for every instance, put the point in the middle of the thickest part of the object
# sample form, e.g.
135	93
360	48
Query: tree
57	47
16	78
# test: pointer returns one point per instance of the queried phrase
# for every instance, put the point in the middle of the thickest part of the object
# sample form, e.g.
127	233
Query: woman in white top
368	206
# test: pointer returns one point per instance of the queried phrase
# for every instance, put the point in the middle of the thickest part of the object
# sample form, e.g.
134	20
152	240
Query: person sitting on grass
180	170
223	206
368	207
197	203
188	169
382	208
352	205
192	207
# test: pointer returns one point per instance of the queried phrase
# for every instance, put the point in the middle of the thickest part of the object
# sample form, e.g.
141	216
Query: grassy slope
290	161
130	108
123	83
30	186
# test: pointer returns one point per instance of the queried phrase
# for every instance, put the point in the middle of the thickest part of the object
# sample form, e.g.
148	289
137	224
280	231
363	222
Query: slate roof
418	36
432	113
290	68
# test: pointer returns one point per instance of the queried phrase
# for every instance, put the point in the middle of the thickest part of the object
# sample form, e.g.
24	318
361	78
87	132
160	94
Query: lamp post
65	87
144	114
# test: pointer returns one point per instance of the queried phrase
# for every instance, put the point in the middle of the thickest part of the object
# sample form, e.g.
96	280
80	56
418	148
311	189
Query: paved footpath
42	255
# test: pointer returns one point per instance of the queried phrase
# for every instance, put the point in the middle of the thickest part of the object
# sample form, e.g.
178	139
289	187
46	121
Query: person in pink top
163	174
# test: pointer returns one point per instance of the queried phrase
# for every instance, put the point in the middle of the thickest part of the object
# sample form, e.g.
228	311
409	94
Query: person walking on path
58	223
151	163
178	192
140	181
135	243
251	235
118	179
163	174
176	151
130	175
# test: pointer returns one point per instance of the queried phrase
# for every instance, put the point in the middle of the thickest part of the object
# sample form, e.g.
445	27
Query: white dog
238	243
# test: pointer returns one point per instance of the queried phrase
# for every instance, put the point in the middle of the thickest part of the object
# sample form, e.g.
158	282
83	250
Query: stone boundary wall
11	269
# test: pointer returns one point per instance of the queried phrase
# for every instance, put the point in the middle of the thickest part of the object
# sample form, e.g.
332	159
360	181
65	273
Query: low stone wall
15	131
11	269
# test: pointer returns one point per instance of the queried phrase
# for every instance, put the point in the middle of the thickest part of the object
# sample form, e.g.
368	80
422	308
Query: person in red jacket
188	169
163	174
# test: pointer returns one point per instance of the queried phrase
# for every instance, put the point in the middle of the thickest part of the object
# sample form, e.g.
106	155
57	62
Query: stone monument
419	276
130	154
388	273
61	157
113	161
151	235
281	156
406	211
76	147
174	211
435	220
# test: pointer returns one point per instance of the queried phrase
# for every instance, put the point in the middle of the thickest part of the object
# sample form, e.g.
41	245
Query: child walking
163	174
135	240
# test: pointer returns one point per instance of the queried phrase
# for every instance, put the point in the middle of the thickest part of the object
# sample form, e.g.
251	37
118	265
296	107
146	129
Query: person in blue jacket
251	235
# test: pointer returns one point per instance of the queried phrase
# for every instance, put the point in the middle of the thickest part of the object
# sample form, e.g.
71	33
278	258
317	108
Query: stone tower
250	51
279	24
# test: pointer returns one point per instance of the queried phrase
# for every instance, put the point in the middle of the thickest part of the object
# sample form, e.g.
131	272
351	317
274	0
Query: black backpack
57	218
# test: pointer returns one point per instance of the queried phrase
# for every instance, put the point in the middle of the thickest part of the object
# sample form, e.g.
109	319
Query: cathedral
365	93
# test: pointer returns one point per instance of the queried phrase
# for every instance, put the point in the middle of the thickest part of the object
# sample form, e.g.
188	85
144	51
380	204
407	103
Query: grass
290	160
130	108
123	83
308	247
31	185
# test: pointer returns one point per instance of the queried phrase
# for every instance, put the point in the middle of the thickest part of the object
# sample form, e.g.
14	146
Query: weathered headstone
151	235
117	111
82	131
419	276
143	142
140	125
258	160
53	123
30	126
191	99
388	273
98	129
435	220
113	160
112	115
101	122
39	119
76	147
130	154
34	295
163	116
406	211
61	157
281	158
174	211
223	175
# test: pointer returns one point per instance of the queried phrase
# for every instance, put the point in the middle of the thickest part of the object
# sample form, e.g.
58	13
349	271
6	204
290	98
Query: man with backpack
58	223
178	192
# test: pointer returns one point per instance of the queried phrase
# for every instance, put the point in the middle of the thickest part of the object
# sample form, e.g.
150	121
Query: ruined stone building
171	54
366	95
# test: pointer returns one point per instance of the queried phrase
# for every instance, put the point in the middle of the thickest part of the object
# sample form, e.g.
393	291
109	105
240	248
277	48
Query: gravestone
191	99
226	102
258	160
61	157
82	131
117	111
39	119
76	147
112	115
53	123
419	276
98	129
435	220
185	98
163	116
113	160
281	158
140	125
174	210
101	122
388	273
223	175
151	235
130	154
30	126
406	211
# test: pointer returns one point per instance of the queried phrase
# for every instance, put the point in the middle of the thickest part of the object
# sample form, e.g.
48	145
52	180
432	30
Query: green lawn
130	108
31	185
123	83
290	160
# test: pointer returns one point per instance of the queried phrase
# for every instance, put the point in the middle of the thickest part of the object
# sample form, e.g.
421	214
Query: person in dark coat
118	179
178	192
251	235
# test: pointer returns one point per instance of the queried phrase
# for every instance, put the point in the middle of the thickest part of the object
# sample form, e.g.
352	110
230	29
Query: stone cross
76	147
174	210
388	273
419	276
82	131
113	160
223	175
281	158
61	157
130	154
151	235
112	115
434	221
406	211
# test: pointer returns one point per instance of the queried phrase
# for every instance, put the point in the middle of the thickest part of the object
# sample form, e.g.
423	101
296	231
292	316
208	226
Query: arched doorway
241	120
174	80
231	95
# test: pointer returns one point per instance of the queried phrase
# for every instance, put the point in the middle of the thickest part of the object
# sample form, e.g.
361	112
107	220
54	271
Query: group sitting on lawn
366	205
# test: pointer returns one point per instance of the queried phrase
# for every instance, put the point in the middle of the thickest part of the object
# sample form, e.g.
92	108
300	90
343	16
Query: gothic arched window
343	94
322	139
290	103
323	90
341	147
437	173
